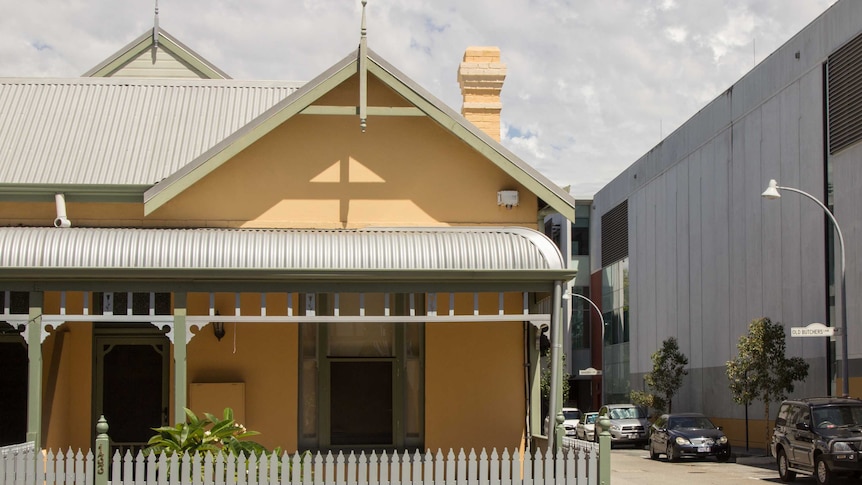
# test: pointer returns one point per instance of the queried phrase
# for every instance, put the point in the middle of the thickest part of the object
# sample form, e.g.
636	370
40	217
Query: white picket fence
574	465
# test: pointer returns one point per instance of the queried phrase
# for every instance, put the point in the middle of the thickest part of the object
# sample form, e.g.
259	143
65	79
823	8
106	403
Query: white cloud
676	34
591	86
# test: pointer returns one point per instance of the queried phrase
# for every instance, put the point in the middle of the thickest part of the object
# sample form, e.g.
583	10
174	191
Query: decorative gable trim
300	101
166	42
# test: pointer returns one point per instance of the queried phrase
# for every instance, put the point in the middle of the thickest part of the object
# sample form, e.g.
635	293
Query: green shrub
210	434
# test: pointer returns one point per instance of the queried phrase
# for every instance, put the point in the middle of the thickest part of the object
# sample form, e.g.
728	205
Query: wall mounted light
218	328
508	198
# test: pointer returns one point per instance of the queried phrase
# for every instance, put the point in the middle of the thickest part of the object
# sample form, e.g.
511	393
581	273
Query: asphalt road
634	467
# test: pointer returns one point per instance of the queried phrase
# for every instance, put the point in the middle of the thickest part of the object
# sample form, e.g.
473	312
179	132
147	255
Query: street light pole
602	319
772	192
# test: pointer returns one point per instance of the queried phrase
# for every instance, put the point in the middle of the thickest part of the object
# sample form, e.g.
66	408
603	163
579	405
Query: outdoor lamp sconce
218	328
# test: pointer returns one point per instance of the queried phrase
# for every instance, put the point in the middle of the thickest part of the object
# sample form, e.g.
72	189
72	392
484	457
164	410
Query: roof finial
363	73
156	27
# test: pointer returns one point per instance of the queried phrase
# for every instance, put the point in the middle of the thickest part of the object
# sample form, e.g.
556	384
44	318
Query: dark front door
131	385
361	402
13	388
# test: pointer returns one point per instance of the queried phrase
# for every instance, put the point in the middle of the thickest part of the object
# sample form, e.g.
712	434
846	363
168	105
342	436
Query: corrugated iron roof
31	252
120	131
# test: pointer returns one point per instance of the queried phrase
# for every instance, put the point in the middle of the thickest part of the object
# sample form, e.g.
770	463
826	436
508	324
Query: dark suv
820	436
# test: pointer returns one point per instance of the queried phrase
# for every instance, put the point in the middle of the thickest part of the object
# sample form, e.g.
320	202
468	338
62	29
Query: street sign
813	330
589	371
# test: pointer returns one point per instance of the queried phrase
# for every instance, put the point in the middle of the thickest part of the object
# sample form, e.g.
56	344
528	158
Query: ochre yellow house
347	262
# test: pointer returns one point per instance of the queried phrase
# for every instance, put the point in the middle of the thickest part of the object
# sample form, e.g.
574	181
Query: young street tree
761	370
668	369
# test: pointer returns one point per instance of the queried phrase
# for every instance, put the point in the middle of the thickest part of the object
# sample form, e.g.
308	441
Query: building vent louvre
615	234
845	95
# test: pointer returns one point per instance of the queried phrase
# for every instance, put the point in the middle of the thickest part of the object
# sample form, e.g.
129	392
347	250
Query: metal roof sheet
31	251
120	131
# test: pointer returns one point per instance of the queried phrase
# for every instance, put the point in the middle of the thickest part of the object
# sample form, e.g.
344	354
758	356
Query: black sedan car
687	434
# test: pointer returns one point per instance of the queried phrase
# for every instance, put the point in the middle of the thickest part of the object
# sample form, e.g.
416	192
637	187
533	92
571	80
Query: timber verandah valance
409	259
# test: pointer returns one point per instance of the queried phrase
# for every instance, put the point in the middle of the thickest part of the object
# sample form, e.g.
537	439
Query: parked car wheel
822	474
671	453
723	457
783	472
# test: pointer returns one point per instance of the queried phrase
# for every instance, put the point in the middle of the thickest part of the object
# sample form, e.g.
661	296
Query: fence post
604	450
103	451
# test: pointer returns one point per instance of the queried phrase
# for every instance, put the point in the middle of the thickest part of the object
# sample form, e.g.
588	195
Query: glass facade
580	322
615	308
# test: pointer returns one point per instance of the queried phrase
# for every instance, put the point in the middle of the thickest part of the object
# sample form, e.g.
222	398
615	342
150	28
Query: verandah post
103	452
604	424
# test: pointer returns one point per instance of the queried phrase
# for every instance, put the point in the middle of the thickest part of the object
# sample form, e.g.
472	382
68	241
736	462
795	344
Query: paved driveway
634	467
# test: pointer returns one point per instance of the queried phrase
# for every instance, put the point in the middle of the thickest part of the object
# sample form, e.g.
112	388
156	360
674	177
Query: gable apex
163	56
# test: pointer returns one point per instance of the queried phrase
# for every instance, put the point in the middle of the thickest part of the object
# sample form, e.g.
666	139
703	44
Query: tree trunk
768	431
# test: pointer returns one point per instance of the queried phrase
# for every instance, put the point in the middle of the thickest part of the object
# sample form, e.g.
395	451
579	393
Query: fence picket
472	472
278	465
23	472
384	469
70	467
299	468
394	472
362	469
576	464
251	472
140	469
434	467
406	468
570	469
529	463
418	466
337	469
230	475
548	471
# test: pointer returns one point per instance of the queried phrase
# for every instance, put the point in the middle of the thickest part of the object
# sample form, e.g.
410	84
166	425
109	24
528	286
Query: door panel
13	391
131	387
361	403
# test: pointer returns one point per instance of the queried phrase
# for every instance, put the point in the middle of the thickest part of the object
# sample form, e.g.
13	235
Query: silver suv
818	436
629	423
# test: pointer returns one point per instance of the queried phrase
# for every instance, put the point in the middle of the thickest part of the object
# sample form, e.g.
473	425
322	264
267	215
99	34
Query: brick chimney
481	76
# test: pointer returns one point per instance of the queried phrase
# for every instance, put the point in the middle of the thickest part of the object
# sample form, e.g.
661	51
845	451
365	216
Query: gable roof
98	139
432	107
127	140
167	45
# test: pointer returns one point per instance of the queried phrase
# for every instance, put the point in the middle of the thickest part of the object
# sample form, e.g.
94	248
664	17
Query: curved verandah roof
407	259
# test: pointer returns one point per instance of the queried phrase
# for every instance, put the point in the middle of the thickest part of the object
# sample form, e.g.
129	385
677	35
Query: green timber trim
226	150
507	165
180	363
71	278
34	375
73	193
372	111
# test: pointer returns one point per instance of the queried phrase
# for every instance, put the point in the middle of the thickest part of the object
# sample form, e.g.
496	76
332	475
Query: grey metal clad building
706	254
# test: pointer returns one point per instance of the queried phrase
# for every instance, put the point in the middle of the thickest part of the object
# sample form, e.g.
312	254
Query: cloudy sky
592	84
